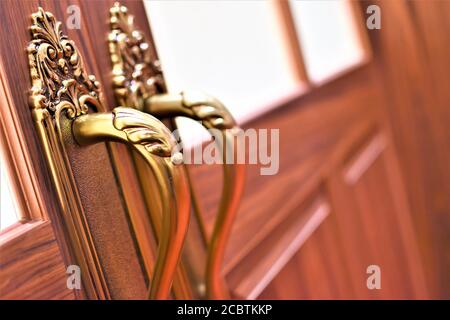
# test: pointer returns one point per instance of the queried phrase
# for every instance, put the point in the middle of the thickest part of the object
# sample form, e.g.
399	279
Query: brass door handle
138	83
213	115
62	91
153	141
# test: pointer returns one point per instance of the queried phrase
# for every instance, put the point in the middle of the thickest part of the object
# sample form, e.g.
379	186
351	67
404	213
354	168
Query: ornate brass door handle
61	92
139	83
153	141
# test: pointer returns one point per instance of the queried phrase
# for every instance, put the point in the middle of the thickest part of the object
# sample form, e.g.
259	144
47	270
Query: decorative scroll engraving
144	129
57	71
137	75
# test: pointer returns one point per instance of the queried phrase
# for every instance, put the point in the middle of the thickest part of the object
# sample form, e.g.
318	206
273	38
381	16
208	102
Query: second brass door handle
139	83
213	115
153	141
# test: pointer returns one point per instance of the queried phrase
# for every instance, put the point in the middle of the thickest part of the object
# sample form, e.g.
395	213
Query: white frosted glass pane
8	214
328	36
230	49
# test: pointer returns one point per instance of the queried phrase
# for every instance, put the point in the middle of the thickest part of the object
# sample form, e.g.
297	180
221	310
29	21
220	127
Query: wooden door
33	253
346	197
100	235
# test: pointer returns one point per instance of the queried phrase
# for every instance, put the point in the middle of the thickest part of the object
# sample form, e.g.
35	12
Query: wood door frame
30	243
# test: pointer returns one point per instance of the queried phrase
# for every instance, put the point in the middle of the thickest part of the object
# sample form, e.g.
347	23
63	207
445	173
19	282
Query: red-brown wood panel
31	265
369	225
411	52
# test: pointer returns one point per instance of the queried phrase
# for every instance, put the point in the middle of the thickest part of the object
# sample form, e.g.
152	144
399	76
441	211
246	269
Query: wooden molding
27	193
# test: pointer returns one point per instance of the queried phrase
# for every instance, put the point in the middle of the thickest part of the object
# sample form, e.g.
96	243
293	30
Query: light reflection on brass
139	84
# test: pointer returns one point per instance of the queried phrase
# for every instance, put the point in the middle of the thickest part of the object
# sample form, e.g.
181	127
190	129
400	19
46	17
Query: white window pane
230	49
8	214
328	36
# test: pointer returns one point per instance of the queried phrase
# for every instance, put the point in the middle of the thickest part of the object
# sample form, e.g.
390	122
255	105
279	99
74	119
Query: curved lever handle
137	80
213	115
153	141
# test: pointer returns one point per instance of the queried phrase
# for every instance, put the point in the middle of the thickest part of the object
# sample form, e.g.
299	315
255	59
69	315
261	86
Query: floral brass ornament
57	71
138	80
137	75
61	88
139	83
